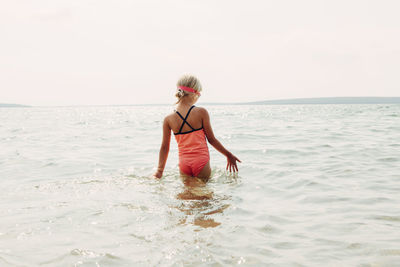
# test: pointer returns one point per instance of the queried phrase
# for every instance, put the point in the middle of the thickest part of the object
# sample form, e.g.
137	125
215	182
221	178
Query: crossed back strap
184	120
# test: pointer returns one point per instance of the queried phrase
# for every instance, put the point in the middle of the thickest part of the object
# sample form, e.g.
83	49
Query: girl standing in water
192	128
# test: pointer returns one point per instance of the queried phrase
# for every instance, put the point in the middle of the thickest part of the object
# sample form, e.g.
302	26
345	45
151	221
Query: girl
191	125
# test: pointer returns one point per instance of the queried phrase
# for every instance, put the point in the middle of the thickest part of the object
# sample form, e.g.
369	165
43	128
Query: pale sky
74	52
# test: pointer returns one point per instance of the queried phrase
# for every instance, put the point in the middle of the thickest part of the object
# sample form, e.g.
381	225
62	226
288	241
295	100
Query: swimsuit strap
184	119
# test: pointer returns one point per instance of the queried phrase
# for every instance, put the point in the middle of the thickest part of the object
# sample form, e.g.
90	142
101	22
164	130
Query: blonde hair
187	81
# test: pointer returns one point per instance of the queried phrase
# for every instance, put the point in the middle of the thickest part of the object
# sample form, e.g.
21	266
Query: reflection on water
198	200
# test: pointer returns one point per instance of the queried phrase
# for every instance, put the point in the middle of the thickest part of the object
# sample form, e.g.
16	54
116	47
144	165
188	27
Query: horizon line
260	102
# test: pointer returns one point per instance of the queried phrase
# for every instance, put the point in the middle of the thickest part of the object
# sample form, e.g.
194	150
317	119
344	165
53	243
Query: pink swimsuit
193	149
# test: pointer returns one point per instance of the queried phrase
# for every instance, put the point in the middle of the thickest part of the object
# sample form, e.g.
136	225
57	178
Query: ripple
83	256
387	218
355	246
285	245
389	159
270	229
390	252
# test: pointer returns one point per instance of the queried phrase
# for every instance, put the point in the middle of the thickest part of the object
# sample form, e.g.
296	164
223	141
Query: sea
319	185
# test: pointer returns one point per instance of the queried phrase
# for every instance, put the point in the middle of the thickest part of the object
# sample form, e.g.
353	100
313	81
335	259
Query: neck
186	102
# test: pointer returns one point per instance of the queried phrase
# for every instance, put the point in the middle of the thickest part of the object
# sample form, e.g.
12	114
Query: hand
158	174
232	163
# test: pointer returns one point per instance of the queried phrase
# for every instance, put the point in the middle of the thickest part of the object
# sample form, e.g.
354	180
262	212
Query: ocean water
318	185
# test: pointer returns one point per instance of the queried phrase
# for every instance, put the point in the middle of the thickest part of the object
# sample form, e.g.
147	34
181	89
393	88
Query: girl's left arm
164	149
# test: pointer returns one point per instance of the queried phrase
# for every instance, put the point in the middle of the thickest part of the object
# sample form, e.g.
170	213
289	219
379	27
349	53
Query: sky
97	52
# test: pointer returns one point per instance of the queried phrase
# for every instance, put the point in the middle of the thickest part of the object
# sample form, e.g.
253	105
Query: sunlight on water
318	185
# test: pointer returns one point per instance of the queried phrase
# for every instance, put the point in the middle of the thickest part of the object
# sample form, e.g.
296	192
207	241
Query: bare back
194	119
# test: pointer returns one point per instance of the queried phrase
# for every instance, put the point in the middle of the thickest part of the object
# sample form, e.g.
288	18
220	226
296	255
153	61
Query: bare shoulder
202	110
168	118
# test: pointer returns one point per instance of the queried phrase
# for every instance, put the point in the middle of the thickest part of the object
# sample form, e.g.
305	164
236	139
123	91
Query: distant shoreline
291	101
328	100
3	105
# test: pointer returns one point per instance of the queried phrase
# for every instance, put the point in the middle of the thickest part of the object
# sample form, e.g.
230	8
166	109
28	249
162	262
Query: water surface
319	184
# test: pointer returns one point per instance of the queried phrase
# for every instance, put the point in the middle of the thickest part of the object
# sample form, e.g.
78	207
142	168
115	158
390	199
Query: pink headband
188	89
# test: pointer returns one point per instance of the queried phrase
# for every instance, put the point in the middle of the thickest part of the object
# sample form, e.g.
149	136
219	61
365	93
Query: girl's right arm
164	149
231	159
